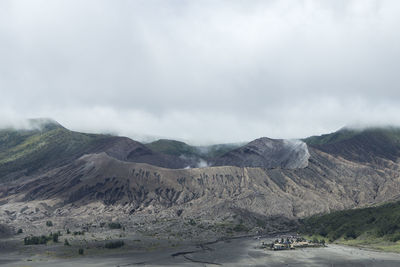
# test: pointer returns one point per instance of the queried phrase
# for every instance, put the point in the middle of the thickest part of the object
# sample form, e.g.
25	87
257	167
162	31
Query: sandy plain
230	252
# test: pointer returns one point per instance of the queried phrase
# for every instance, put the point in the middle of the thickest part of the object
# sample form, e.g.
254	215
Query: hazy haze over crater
202	71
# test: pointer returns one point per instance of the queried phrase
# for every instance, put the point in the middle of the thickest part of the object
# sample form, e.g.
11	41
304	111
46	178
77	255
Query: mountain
46	145
172	147
98	187
262	152
366	145
331	138
267	153
196	153
266	185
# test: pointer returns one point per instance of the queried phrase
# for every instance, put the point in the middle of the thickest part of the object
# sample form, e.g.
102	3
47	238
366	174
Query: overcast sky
201	71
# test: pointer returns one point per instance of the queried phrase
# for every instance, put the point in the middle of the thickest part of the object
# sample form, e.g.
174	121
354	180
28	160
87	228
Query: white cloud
202	71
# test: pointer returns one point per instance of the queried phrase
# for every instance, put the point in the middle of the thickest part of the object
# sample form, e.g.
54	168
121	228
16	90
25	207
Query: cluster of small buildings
291	242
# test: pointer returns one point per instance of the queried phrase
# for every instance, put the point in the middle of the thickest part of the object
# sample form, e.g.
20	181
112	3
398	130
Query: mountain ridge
91	176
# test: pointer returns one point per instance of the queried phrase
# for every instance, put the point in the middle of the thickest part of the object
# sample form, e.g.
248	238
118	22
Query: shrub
395	237
66	243
80	251
350	234
239	228
261	223
387	228
115	244
114	225
334	236
19	231
49	223
55	237
36	240
79	233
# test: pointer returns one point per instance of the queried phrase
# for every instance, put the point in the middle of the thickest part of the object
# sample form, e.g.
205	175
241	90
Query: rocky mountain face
263	185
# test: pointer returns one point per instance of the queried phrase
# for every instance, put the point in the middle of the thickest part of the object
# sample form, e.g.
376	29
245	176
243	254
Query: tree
351	234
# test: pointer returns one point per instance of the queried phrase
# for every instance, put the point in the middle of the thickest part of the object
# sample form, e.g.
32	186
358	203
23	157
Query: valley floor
233	252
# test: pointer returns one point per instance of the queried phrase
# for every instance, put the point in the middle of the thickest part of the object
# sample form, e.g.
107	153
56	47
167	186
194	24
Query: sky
201	71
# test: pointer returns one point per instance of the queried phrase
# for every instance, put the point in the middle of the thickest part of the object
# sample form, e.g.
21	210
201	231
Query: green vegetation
114	244
342	134
80	251
66	243
49	223
114	225
31	150
43	239
375	226
390	134
20	231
